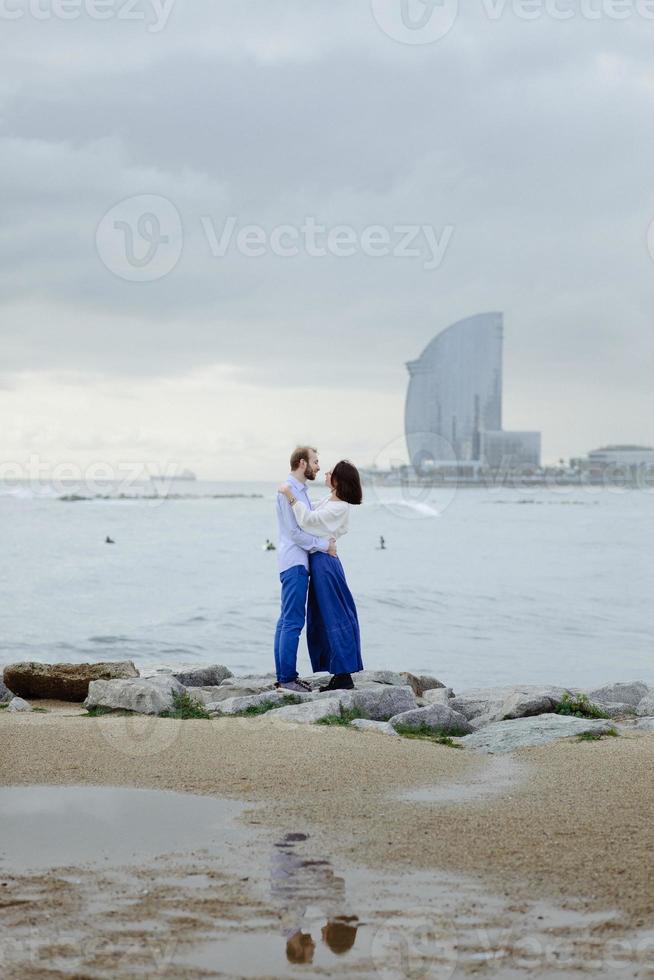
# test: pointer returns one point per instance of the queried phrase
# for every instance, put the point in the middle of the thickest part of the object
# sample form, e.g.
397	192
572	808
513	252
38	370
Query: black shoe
339	682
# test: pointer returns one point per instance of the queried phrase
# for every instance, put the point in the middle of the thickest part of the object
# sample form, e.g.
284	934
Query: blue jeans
295	585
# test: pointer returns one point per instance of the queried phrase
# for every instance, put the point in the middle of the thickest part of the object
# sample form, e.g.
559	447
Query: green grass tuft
579	706
99	712
598	736
427	734
41	711
4	704
266	706
184	706
344	718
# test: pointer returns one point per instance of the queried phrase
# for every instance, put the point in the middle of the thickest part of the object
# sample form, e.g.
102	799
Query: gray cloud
530	139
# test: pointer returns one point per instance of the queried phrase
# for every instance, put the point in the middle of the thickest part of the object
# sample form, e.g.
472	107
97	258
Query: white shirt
329	519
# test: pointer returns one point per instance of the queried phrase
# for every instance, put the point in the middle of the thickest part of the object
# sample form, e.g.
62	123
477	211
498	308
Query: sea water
478	586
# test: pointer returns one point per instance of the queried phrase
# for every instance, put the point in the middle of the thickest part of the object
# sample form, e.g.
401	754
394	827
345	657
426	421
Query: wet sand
571	825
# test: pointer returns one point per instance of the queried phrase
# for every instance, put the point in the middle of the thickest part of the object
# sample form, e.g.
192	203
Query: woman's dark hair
346	479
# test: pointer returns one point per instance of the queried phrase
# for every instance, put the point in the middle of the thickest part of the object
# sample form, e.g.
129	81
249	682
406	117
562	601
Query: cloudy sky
227	226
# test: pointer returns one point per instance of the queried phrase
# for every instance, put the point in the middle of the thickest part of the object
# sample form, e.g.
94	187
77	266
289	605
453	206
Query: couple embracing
312	577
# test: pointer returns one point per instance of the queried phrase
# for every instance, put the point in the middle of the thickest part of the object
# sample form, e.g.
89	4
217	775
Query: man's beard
310	473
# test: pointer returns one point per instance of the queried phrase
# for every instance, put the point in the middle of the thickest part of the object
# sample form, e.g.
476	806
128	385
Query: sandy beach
569	823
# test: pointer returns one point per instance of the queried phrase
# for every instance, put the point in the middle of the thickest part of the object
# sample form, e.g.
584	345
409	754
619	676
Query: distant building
616	461
453	416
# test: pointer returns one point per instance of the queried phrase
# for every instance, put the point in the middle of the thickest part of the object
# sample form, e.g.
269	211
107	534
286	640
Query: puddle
126	883
498	776
57	826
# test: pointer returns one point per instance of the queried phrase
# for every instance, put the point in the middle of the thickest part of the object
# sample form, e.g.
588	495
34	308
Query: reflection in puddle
303	888
134	883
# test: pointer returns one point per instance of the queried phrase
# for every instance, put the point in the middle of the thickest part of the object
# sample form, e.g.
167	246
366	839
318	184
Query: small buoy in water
109	540
269	546
382	543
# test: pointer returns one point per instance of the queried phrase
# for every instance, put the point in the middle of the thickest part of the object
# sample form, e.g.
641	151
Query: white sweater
329	519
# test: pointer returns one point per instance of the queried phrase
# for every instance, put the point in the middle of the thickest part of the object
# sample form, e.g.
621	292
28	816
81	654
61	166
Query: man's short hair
299	454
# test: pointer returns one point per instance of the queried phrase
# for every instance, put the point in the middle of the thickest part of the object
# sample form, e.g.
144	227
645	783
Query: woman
332	623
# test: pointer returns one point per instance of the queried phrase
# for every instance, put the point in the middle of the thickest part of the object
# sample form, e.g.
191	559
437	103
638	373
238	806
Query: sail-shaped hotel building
453	411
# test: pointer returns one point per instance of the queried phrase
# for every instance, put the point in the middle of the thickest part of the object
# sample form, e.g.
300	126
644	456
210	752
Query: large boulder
381	727
5	694
438	695
18	704
62	682
630	692
507	736
234	706
420	683
241	687
645	707
615	709
368	678
143	695
483	706
313	710
381	703
207	676
438	718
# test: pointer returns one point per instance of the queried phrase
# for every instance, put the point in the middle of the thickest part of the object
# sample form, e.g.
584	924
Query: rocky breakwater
491	720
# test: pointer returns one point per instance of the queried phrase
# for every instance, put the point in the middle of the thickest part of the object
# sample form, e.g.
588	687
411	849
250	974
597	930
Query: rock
615	709
233	706
235	687
144	695
437	717
241	687
482	706
645	707
507	736
523	704
5	693
382	703
365	678
62	682
383	727
17	704
312	711
480	703
438	695
420	683
213	675
631	692
644	725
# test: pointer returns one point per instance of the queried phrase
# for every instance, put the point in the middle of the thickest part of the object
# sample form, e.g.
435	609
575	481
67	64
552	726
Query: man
293	551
